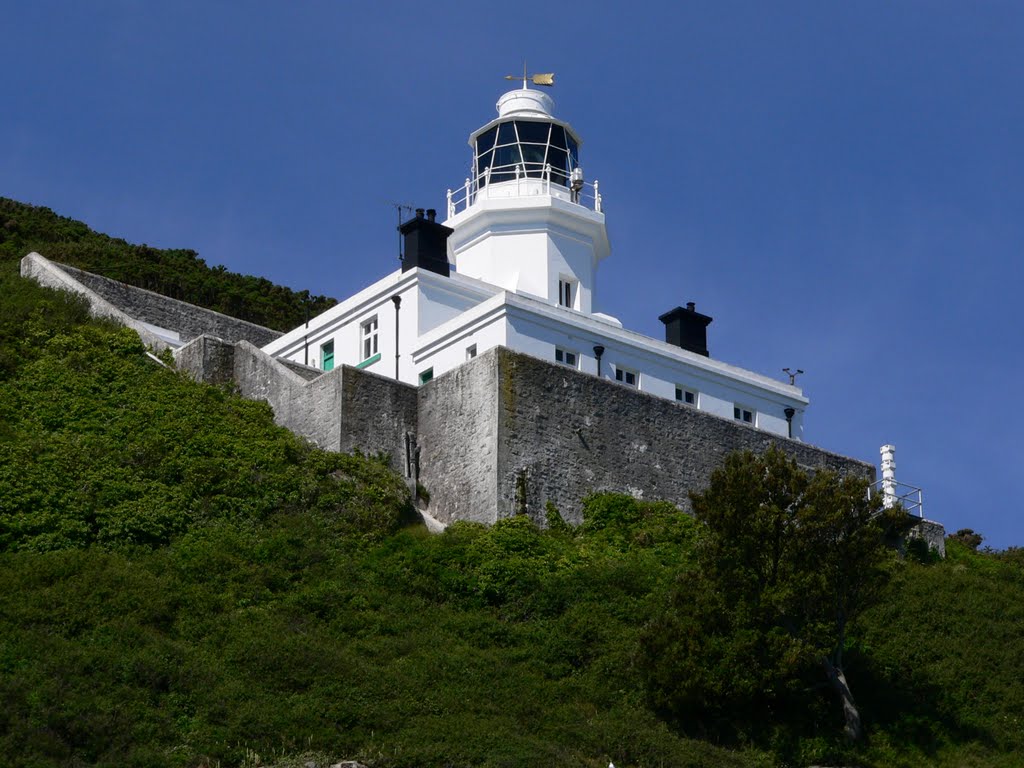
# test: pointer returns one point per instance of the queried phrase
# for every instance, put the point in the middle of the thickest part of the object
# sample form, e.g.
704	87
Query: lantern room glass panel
526	146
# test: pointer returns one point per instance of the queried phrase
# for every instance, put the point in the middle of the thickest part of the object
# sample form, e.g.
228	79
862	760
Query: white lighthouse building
515	264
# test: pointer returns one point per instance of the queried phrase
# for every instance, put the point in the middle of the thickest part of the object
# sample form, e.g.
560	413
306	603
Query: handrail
587	194
910	497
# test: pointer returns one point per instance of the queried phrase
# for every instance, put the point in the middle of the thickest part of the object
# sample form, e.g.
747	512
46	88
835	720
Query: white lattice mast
889	495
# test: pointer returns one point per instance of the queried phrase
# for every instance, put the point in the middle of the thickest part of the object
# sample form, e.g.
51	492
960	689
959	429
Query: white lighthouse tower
527	220
525	234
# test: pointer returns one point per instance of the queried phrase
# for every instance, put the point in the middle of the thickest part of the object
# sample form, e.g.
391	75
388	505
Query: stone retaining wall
136	306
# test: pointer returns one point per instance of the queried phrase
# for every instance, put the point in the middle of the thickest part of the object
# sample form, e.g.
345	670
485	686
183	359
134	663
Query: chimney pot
687	328
426	243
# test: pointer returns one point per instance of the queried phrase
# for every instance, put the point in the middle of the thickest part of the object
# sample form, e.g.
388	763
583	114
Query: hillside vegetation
182	583
176	272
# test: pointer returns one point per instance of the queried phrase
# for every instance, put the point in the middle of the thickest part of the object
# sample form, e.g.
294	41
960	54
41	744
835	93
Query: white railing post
451	205
597	197
547	178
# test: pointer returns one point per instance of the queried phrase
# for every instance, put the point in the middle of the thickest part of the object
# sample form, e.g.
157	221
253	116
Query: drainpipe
398	303
598	351
790	412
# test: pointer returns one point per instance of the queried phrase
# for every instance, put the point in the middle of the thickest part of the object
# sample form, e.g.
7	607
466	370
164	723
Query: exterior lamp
576	183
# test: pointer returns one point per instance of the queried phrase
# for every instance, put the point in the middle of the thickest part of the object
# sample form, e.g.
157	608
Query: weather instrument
546	79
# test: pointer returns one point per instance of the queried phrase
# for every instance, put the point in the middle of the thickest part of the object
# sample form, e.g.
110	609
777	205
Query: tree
786	561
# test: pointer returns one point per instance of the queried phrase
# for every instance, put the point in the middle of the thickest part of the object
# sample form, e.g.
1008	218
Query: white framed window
627	376
566	292
686	395
368	338
744	414
426	375
471	351
567	357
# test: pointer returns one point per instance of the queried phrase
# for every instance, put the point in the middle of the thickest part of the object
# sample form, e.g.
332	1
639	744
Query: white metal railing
525	179
910	497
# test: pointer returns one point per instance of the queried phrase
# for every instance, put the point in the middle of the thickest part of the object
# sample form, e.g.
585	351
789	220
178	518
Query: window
566	292
743	414
626	376
426	376
529	145
685	395
368	338
565	357
471	351
327	356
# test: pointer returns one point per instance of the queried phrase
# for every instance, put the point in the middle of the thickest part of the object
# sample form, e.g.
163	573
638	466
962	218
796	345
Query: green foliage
967	537
786	562
177	273
182	583
100	446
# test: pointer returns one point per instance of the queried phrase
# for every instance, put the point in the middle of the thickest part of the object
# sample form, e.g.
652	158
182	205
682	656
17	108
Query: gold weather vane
547	79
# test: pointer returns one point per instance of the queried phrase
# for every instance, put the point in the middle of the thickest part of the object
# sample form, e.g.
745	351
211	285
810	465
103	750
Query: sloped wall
134	306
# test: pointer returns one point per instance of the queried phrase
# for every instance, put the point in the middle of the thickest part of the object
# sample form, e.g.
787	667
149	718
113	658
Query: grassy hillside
176	272
183	583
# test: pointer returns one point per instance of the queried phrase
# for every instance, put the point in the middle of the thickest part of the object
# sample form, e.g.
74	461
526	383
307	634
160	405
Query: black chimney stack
687	328
426	243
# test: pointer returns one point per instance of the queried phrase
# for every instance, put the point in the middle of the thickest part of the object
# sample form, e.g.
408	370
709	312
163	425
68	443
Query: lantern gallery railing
523	180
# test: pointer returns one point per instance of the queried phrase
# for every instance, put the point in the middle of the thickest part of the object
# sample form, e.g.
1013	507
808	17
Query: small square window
471	351
743	414
566	357
426	375
687	396
626	376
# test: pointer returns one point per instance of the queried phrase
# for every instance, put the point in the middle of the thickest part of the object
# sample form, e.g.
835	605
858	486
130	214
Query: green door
327	356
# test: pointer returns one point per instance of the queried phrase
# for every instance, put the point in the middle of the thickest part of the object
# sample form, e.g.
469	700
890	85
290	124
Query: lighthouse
512	262
527	219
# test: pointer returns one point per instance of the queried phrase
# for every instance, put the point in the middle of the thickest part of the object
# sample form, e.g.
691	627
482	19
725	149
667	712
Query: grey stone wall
378	416
561	435
344	410
133	307
504	433
45	272
458	441
931	533
188	320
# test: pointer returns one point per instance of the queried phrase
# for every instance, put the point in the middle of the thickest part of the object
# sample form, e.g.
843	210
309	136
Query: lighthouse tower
527	220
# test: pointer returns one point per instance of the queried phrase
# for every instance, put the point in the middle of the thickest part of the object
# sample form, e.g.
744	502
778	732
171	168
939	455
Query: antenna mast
399	207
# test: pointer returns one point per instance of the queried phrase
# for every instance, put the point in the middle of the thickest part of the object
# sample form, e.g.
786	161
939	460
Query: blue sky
838	184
